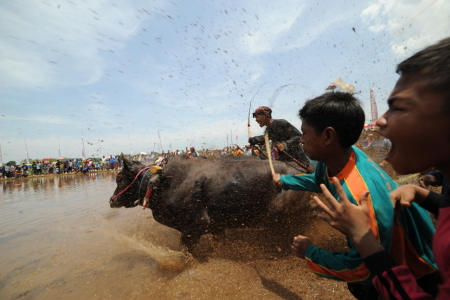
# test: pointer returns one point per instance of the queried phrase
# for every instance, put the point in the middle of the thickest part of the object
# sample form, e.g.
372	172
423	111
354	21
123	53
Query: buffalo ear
126	164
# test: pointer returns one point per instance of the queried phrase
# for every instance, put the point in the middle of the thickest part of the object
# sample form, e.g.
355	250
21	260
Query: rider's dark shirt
281	131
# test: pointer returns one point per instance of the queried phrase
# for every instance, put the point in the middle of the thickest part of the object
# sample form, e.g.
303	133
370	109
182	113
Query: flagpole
129	140
160	141
226	133
1	156
83	155
59	148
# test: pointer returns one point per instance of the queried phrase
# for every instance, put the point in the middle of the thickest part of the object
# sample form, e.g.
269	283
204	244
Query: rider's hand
276	177
299	246
280	147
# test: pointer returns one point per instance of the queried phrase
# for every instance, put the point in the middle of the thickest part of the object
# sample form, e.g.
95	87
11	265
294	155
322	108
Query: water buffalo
196	196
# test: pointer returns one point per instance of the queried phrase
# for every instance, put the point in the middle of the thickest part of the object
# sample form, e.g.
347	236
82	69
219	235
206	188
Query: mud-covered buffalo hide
196	196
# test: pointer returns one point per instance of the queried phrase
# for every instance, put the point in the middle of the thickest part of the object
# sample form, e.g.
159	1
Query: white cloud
282	28
49	44
46	119
257	75
275	23
426	22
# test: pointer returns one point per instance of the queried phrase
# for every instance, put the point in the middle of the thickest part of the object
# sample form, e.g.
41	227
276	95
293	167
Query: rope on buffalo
148	194
114	197
140	184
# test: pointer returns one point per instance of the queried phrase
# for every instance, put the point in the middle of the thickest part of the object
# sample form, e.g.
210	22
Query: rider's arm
257	140
294	137
286	134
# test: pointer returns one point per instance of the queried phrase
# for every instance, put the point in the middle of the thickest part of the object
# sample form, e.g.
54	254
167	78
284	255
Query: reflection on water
59	239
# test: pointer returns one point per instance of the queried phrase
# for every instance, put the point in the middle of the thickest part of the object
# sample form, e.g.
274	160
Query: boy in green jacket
331	124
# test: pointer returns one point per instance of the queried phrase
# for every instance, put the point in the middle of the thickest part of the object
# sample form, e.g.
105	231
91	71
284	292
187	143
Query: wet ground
59	239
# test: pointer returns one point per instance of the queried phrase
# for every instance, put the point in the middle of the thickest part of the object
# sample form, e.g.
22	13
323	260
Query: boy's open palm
348	218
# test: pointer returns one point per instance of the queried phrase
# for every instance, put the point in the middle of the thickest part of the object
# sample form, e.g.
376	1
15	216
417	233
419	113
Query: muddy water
59	239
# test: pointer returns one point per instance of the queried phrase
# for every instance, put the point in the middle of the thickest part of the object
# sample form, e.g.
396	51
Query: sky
140	76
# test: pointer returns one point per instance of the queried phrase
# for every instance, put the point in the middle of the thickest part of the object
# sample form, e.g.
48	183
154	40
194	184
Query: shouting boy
331	124
417	123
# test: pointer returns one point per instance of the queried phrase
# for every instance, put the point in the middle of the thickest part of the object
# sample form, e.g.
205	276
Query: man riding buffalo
283	134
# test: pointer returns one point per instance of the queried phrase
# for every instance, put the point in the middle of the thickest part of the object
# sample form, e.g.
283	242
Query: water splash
167	259
278	91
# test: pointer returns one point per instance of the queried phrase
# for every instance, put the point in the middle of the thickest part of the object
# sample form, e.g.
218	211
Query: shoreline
55	175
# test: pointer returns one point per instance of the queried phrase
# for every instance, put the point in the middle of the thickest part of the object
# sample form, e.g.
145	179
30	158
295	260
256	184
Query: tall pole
59	148
249	109
226	133
83	153
129	140
160	141
26	148
1	157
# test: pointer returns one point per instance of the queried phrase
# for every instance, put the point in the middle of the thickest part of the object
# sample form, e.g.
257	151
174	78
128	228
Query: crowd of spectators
67	166
192	152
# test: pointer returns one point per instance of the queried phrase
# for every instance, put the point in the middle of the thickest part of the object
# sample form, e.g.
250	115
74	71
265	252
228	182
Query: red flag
236	138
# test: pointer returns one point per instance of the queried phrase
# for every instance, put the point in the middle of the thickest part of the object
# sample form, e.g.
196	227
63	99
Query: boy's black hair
431	64
339	110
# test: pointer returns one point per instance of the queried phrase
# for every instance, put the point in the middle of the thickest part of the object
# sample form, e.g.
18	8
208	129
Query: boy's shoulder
371	171
363	158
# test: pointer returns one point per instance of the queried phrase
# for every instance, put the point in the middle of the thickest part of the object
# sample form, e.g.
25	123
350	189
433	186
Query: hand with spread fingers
350	219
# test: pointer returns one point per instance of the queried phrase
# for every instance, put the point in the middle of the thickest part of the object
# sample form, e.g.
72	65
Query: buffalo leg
190	236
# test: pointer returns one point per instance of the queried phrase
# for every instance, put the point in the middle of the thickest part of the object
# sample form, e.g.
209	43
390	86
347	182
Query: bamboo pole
269	154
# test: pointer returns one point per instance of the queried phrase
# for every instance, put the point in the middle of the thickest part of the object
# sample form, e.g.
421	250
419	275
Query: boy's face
417	124
310	141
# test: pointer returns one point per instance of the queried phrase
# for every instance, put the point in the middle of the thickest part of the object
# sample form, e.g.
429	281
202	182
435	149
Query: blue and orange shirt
409	241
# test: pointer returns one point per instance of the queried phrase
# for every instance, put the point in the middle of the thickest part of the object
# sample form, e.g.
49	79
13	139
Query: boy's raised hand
348	218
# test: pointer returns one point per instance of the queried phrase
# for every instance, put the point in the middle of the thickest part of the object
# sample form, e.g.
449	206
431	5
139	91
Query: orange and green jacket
409	242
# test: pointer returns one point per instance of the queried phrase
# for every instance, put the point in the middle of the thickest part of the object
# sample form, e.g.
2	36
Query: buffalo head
123	180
